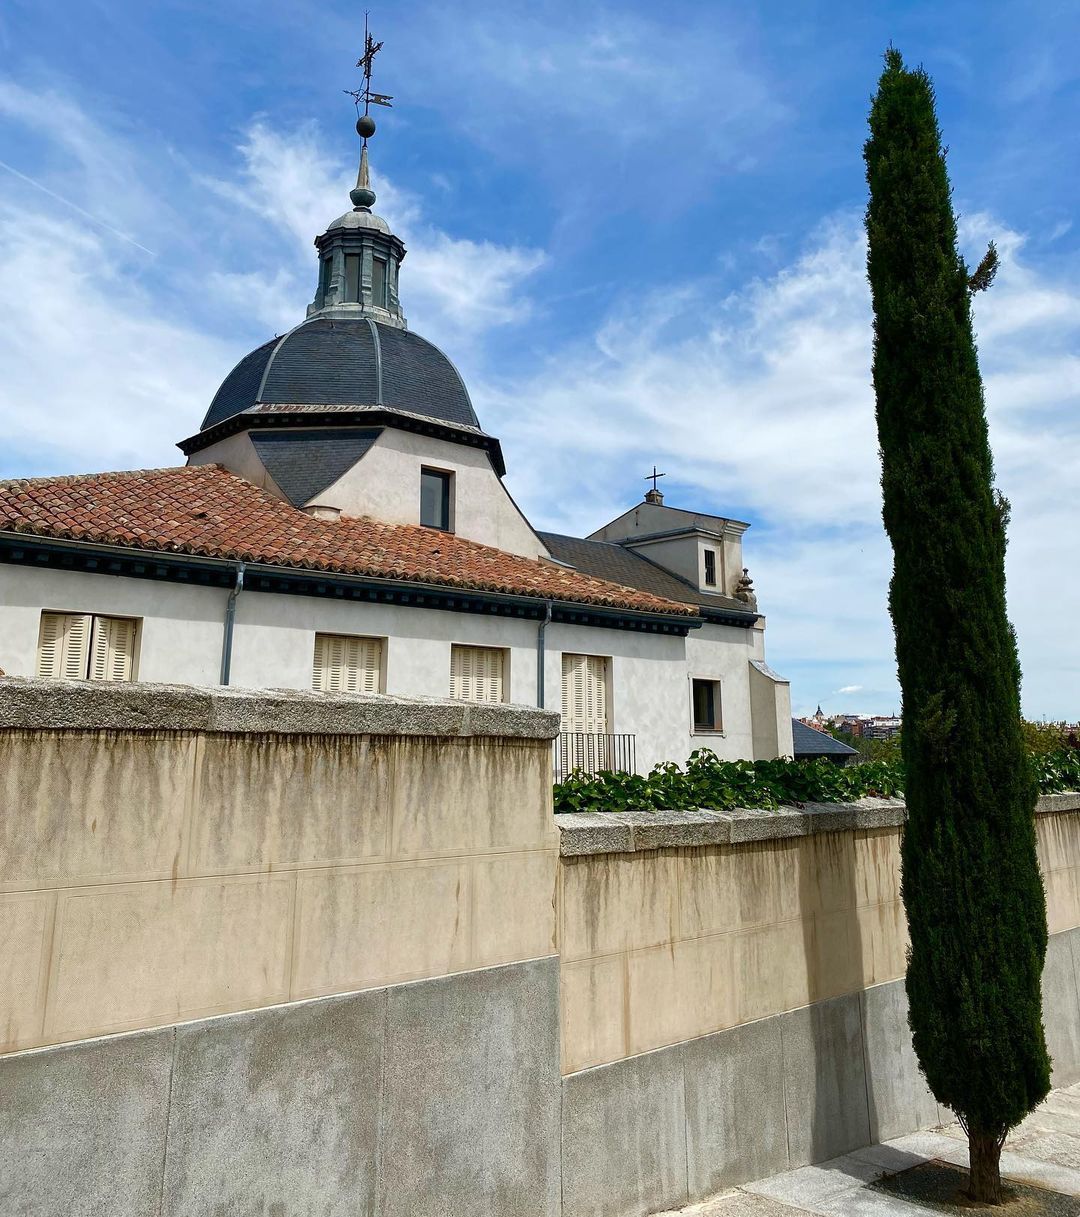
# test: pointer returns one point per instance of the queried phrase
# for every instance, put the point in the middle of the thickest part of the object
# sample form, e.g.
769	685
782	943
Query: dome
346	361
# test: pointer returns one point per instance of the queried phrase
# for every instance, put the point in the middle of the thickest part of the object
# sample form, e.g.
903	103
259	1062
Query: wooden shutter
64	646
112	648
347	665
585	693
477	673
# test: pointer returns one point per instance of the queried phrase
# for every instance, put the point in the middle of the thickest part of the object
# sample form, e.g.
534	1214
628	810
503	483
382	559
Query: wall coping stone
50	705
626	832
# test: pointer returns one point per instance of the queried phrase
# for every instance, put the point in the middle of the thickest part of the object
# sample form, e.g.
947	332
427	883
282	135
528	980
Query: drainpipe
230	618
540	655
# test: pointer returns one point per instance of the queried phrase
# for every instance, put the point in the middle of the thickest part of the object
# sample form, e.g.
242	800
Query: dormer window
435	498
378	282
352	278
710	568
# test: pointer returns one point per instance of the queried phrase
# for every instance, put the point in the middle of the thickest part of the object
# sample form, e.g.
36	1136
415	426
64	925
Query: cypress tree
972	890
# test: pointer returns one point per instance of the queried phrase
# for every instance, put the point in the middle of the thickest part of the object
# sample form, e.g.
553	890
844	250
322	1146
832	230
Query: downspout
230	619
541	629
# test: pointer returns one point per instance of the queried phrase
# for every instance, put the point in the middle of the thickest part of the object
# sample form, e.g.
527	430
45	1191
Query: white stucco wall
179	635
180	638
385	484
237	452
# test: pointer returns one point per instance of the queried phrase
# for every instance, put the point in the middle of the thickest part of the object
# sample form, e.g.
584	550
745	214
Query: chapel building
342	524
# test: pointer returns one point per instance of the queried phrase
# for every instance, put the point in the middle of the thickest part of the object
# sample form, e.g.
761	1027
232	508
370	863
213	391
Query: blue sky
636	229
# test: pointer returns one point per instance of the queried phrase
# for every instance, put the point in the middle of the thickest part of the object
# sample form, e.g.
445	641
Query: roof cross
652	477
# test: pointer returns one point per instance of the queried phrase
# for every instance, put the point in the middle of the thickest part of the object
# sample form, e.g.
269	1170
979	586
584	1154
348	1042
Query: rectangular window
585	694
477	673
707	714
324	277
378	282
352	278
344	664
710	568
435	498
80	646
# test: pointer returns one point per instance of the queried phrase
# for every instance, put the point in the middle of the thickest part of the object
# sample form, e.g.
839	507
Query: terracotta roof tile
207	511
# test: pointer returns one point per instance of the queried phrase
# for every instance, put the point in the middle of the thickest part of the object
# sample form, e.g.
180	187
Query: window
378	282
435	498
324	277
710	568
347	665
477	673
79	646
585	694
352	277
707	715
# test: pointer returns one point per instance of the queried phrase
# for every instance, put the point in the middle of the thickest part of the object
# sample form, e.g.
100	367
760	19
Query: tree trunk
984	1156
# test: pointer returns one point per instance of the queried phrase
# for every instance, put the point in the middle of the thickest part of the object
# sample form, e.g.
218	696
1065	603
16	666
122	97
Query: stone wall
278	953
732	1001
168	854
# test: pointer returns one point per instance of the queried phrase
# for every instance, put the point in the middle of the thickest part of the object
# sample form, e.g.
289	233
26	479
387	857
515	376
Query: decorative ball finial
363	197
365	126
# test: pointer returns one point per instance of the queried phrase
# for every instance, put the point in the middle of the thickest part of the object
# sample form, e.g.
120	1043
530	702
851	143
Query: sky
636	229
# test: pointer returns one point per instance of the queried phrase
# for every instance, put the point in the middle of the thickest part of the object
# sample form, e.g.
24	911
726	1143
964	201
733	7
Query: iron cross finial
652	477
365	64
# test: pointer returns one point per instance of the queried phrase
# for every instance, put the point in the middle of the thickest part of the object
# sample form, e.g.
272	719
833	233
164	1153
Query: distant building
811	745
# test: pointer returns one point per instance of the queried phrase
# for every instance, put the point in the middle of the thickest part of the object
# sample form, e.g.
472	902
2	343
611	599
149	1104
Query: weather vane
365	124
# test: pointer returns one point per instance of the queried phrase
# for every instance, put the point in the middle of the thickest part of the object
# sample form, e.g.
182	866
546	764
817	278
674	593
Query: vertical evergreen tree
971	884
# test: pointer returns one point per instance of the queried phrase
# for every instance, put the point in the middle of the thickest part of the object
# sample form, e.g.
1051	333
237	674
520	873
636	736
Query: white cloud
846	689
455	289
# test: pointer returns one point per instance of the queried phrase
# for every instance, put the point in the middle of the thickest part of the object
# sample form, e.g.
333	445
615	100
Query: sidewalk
1044	1151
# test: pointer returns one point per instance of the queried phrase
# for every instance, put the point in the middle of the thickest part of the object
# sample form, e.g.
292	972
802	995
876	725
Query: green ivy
706	781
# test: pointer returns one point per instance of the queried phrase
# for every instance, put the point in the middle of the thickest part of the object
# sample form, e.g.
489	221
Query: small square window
710	568
707	714
435	498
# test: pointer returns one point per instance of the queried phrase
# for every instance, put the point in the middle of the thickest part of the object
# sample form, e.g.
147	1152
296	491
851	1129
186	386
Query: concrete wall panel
898	1098
472	1094
824	1080
82	1128
735	1123
91	807
277	1112
271	801
1061	1008
624	1137
145	954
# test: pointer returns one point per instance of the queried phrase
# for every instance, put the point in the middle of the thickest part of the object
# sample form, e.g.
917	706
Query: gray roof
303	462
617	564
346	361
810	742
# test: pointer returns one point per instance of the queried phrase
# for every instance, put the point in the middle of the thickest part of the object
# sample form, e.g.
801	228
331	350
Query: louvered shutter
477	673
347	665
585	694
112	648
64	646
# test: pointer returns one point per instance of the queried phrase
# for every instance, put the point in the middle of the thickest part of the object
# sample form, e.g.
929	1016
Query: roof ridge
106	473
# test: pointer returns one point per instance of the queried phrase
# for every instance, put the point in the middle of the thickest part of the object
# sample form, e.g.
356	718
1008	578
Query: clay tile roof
206	511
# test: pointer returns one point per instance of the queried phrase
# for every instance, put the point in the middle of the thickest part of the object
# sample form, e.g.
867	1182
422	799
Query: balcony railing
590	752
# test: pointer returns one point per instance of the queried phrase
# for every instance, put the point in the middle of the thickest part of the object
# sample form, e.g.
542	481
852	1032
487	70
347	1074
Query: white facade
180	634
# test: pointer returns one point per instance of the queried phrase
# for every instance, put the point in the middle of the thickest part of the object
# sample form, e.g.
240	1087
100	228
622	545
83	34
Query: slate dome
346	361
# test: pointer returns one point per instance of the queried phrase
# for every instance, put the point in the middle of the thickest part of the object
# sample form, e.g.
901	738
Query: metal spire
362	195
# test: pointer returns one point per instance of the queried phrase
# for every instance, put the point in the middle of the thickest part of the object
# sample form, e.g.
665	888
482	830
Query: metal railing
591	752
